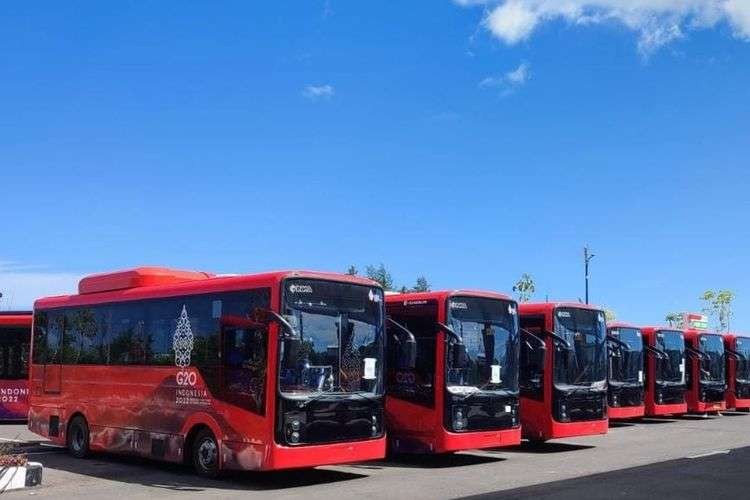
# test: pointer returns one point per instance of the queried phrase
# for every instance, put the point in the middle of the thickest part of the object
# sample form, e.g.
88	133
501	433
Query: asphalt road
689	457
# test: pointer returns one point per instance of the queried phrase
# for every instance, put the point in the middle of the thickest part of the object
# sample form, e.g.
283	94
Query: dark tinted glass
420	318
14	349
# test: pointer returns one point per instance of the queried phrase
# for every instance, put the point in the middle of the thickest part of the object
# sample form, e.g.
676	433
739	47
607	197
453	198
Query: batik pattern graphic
183	340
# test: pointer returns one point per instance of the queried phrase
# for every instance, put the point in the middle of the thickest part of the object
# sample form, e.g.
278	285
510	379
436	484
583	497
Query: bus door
244	359
53	361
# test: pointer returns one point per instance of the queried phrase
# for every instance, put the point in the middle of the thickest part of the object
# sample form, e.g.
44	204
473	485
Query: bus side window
416	385
244	349
54	337
531	366
39	356
245	366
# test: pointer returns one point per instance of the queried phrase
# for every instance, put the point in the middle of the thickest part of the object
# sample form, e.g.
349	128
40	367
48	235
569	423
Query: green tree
381	275
674	319
718	307
525	287
609	314
422	285
352	271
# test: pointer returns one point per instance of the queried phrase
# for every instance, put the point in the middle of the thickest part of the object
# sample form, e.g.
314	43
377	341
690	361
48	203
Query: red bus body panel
421	427
14	394
537	421
692	394
626	412
730	340
127	408
652	408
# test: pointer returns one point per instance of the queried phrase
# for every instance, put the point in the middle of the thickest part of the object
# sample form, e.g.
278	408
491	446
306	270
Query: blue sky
467	141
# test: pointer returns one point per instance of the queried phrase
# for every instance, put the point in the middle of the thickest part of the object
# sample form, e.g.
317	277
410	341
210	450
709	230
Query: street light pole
587	256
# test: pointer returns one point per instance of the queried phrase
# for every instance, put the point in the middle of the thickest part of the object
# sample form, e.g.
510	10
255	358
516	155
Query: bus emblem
182	343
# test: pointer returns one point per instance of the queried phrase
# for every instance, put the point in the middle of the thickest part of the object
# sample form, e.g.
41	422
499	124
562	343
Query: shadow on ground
652	421
136	470
546	447
440	461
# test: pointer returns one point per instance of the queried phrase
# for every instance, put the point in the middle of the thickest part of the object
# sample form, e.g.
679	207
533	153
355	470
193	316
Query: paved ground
679	446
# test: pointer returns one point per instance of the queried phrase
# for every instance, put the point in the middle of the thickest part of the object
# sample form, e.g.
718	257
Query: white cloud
657	22
21	285
509	81
316	92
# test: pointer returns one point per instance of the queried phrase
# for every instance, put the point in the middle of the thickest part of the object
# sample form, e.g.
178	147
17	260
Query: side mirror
460	356
407	354
267	316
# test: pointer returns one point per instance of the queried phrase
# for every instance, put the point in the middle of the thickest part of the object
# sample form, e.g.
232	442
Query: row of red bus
298	369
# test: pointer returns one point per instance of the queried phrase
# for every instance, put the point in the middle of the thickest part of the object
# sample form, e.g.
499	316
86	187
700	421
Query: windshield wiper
480	391
341	395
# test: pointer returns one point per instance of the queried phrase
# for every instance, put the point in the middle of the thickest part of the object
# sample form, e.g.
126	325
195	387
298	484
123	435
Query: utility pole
587	256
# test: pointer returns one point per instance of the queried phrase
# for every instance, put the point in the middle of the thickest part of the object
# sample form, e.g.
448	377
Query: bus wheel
78	437
206	454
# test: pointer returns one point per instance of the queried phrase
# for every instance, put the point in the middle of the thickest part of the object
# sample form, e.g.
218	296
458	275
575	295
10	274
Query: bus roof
548	307
154	282
15	318
621	324
444	294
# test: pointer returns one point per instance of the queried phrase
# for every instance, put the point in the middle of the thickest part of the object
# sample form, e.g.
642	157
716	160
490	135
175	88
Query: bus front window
338	342
626	366
581	360
712	363
742	347
487	359
671	370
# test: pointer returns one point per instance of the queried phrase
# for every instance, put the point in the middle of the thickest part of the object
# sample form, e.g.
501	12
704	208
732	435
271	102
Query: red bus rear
457	388
15	335
738	371
255	372
706	371
665	371
563	371
625	373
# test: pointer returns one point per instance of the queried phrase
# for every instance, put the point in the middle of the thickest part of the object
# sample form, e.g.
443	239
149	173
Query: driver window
531	367
415	385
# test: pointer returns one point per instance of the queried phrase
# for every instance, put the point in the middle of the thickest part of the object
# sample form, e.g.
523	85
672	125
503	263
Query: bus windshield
712	364
672	369
626	363
489	332
583	360
337	345
742	347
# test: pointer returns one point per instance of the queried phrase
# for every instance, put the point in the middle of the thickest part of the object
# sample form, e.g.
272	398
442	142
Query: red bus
254	372
706	371
626	366
738	371
457	388
563	370
15	335
665	371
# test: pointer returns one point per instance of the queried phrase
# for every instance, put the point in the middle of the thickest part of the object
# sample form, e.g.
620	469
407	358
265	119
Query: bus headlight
564	413
293	426
460	421
615	400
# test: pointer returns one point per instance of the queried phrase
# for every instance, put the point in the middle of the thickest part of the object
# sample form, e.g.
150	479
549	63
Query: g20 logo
186	378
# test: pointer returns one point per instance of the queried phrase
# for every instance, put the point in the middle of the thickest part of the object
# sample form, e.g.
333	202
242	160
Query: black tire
206	454
77	438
